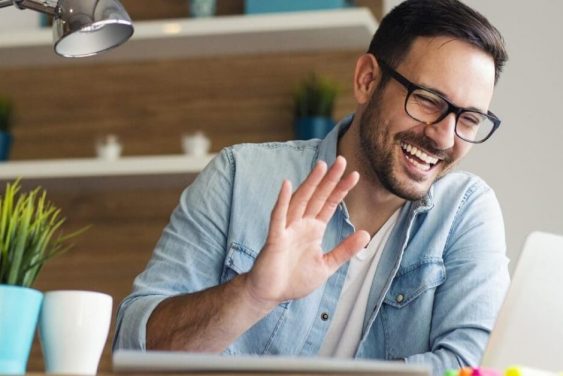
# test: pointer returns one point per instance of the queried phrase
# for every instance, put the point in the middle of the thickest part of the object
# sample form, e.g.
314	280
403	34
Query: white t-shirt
345	330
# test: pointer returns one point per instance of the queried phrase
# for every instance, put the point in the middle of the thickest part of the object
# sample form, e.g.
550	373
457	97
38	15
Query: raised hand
292	263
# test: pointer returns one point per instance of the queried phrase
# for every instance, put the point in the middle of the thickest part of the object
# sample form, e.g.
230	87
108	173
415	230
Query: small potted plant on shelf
314	104
6	110
30	235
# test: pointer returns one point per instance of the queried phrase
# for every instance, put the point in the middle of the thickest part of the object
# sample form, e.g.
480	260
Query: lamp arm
42	6
100	25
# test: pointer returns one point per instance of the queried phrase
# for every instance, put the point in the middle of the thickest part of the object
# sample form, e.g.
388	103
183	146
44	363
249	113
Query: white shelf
92	167
342	29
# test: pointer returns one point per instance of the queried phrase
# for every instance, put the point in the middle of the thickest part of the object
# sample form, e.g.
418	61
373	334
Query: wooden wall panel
62	110
146	10
149	106
125	226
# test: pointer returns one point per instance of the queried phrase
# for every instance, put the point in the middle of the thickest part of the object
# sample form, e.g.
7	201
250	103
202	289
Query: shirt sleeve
188	257
477	278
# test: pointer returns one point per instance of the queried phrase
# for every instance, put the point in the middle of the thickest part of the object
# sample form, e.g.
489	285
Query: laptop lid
529	327
163	361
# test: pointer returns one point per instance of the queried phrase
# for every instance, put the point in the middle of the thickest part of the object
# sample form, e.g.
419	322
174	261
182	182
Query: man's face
405	155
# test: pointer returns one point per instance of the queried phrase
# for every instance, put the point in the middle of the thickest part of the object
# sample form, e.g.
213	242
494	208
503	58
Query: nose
442	132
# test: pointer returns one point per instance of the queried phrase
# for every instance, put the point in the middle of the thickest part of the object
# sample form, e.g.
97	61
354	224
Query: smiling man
387	254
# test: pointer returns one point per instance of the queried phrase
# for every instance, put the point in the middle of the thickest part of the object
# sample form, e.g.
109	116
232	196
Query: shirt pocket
406	314
413	280
261	338
239	260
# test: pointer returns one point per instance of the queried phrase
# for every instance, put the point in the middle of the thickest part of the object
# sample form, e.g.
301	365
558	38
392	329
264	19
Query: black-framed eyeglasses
429	107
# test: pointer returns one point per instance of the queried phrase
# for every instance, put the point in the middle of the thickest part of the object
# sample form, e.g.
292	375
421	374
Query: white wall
12	18
522	161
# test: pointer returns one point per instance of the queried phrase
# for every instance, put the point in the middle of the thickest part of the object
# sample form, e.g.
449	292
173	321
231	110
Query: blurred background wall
522	161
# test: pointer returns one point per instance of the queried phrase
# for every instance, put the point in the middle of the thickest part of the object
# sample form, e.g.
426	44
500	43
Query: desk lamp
82	27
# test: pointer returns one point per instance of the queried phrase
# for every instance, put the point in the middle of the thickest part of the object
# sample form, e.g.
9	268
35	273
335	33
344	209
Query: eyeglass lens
427	107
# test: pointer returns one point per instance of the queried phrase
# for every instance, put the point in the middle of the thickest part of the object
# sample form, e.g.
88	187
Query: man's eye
470	119
428	102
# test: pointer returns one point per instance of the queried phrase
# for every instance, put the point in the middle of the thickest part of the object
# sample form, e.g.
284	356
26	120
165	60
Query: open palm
292	263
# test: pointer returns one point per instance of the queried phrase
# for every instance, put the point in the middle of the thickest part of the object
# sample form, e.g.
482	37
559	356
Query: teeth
421	166
413	150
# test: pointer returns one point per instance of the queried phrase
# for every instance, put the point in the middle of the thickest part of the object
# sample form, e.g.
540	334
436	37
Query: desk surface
219	374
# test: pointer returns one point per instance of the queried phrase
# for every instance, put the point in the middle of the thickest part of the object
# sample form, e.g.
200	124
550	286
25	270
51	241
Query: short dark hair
430	18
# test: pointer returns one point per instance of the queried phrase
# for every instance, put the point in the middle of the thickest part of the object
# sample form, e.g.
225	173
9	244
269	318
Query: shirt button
324	316
399	298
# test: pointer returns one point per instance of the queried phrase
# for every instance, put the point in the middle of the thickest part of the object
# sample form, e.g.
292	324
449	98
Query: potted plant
314	103
30	235
6	110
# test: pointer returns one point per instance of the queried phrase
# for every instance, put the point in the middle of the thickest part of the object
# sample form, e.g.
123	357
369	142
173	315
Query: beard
377	148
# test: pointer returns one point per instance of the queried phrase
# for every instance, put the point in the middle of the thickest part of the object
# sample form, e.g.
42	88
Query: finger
303	194
346	249
279	212
326	186
337	195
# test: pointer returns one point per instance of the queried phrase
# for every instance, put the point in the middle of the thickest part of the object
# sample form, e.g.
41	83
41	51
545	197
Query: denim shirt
434	299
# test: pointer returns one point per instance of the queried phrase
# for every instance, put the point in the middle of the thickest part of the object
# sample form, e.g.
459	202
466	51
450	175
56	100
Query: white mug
73	329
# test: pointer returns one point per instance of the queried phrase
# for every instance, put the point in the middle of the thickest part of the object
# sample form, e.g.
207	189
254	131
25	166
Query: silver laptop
529	327
164	361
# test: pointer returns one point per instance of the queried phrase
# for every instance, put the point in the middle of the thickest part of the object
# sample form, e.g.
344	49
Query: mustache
425	143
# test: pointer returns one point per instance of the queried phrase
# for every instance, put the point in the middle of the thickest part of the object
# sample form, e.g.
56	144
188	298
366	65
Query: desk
221	374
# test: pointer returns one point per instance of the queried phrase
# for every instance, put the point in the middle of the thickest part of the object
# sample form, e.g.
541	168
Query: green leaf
315	96
24	211
30	234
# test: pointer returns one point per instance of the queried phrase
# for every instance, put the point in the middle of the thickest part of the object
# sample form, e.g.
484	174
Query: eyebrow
442	94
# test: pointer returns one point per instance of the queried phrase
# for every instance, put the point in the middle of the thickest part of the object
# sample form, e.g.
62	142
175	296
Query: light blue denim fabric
440	282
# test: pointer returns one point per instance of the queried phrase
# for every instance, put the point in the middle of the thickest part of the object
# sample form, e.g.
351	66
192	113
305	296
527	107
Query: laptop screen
529	327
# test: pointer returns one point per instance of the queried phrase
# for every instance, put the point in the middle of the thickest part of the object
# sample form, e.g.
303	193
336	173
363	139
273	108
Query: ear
366	77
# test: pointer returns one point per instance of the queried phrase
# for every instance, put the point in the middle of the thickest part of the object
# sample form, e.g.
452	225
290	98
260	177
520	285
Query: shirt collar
329	145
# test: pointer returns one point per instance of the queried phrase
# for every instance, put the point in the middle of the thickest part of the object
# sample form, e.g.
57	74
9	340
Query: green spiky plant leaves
30	234
315	96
